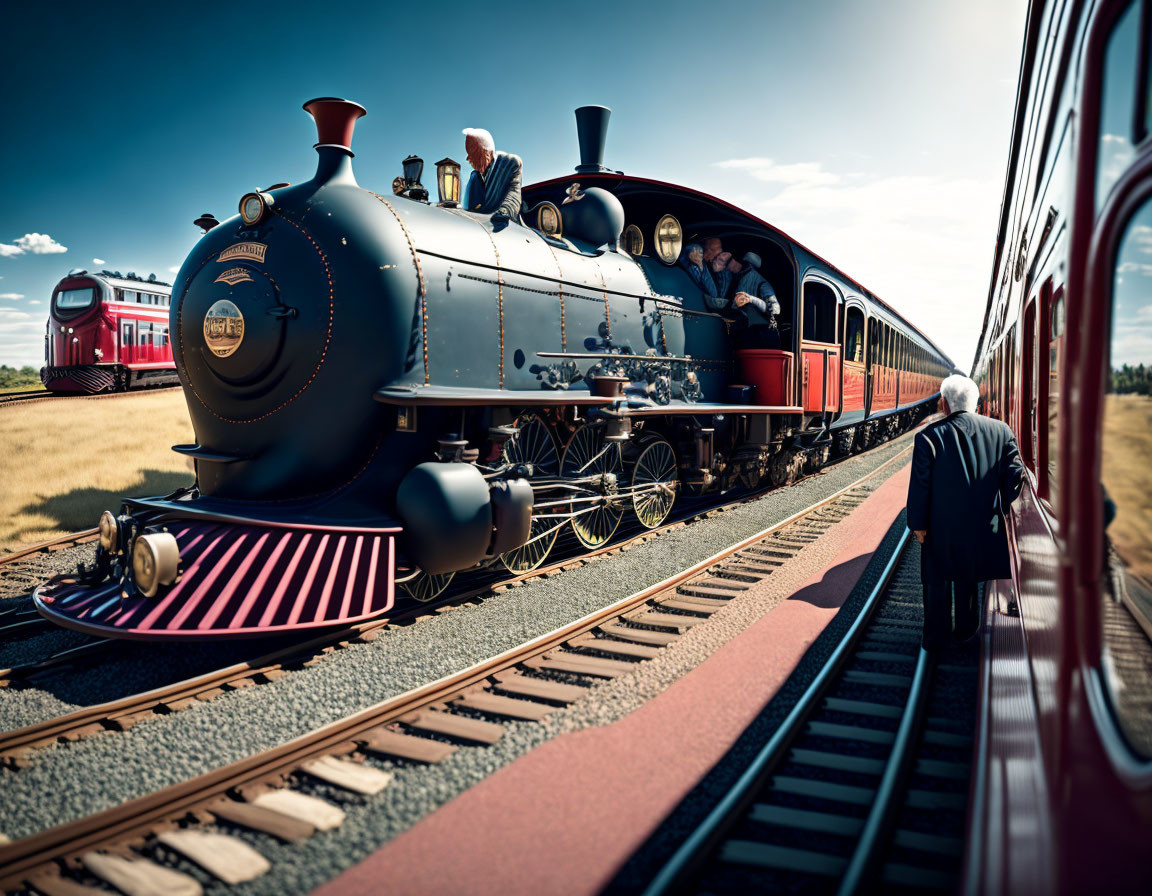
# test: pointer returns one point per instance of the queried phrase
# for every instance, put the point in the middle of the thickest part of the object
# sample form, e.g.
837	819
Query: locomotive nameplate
232	276
248	251
223	328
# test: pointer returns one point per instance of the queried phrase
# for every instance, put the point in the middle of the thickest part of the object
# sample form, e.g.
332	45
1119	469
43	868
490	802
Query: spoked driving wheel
592	466
425	586
535	449
654	483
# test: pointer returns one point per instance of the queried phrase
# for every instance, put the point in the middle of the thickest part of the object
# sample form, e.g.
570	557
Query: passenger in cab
756	299
718	260
494	186
692	260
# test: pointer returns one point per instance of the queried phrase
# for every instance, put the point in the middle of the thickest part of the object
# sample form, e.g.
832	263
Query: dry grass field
1127	474
65	460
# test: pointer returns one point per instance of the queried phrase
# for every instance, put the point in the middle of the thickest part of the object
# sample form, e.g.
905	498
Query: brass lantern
448	182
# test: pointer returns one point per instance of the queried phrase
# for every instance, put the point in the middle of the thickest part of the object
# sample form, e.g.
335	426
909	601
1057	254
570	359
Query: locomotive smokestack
591	131
335	120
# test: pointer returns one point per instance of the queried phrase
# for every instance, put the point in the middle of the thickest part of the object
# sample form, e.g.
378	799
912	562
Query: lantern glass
413	168
448	181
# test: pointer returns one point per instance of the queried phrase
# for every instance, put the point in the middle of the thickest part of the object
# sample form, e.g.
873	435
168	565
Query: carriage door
820	352
853	362
127	341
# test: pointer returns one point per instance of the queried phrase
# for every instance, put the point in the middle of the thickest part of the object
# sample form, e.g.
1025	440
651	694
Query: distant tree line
13	378
1129	380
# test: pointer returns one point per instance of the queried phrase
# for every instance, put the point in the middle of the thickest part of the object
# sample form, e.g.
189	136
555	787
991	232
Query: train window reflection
1126	473
1117	106
72	299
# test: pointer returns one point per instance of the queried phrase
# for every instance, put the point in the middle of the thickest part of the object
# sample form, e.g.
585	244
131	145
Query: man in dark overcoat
494	185
966	472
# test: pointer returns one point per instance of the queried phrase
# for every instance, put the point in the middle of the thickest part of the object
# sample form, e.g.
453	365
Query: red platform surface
565	817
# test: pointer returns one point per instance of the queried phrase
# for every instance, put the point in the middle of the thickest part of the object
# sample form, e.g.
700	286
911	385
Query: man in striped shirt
494	186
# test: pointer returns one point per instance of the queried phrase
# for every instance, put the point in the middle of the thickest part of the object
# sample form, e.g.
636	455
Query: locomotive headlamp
253	207
109	532
448	182
155	561
669	239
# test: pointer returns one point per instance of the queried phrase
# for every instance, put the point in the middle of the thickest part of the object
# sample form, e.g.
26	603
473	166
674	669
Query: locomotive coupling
453	518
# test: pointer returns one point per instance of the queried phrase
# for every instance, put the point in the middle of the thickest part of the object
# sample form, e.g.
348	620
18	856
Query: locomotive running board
240	581
414	395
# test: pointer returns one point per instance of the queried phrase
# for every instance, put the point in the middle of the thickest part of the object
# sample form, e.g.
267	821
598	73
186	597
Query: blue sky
876	132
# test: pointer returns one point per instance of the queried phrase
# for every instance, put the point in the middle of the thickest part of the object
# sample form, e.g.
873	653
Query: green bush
27	377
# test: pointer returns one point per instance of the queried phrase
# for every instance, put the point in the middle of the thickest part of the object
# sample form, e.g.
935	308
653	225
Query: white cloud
768	171
8	315
99	261
921	243
34	302
36	243
174	270
11	296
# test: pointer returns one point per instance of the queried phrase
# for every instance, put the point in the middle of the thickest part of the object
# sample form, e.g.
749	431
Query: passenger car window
1126	486
1118	103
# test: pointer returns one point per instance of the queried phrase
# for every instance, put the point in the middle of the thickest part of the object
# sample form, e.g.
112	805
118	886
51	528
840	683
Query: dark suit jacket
499	191
966	472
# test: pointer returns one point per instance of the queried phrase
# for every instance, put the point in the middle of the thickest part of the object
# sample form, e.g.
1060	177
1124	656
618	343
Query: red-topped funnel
335	120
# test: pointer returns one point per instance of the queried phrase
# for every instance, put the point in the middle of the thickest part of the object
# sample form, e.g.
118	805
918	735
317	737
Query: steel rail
136	817
731	808
861	872
81	537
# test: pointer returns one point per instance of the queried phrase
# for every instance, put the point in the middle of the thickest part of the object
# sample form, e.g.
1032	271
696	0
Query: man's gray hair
482	135
961	393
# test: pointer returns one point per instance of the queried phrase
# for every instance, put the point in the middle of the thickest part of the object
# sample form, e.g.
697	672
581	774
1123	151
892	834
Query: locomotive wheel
535	446
595	465
654	483
425	587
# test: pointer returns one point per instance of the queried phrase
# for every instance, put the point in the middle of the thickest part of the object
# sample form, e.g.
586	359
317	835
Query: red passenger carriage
108	333
1063	794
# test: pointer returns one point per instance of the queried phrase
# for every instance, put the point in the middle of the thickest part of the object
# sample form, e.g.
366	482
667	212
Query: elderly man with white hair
966	472
494	186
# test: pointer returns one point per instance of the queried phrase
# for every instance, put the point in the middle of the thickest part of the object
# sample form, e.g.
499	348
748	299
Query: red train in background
1062	798
108	333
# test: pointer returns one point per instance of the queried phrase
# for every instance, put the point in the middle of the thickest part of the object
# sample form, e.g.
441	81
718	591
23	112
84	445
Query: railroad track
45	395
421	726
16	746
864	787
23	570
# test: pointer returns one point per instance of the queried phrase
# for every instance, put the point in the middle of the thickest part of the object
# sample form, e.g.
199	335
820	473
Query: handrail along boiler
386	391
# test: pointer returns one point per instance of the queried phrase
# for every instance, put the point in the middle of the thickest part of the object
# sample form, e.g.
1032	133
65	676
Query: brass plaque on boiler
223	328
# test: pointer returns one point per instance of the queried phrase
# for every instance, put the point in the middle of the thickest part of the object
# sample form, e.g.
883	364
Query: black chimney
591	130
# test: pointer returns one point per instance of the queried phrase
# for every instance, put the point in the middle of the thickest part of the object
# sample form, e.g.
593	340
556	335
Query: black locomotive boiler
386	391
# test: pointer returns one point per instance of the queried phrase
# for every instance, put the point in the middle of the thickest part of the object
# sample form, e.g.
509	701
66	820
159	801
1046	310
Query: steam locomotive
107	332
386	391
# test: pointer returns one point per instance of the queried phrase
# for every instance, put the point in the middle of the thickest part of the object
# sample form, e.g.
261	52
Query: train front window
75	299
1126	489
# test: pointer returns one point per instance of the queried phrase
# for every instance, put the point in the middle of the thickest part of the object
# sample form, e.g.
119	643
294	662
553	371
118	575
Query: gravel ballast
67	782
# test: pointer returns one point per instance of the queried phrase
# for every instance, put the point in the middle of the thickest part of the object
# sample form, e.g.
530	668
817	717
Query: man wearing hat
494	186
756	298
